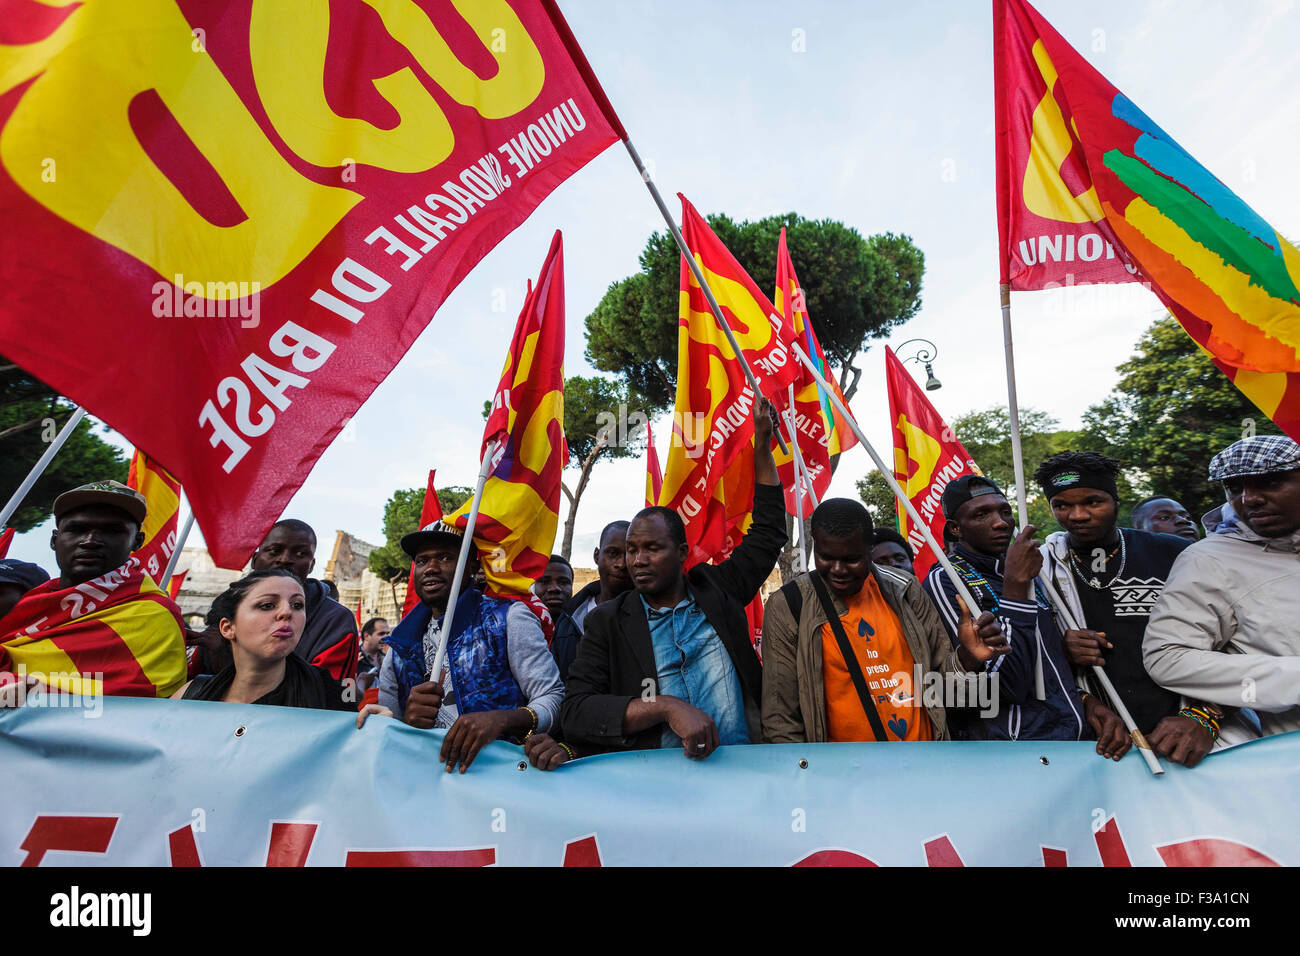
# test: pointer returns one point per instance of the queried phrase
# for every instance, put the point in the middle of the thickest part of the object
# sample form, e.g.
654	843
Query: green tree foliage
875	494
987	436
856	289
401	517
31	414
598	424
1171	412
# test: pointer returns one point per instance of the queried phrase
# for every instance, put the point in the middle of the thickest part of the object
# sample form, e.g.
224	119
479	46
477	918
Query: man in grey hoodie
1225	629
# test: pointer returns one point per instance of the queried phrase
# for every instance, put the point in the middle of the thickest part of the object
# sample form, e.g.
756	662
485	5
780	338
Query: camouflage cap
114	494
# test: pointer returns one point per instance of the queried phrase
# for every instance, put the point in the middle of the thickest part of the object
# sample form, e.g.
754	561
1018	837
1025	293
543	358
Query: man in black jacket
329	639
612	580
670	662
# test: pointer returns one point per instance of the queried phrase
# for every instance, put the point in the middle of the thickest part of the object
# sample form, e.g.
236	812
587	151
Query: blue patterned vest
477	656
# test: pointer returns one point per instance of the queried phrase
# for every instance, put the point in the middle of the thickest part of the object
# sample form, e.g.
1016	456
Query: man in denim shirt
670	663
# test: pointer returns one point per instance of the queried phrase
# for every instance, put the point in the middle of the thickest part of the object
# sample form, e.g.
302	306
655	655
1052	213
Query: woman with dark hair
261	617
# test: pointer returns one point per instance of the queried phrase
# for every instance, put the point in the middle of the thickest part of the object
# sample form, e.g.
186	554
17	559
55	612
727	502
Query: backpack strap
794	598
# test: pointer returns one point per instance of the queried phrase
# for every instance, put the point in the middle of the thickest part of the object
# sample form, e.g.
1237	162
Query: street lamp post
925	355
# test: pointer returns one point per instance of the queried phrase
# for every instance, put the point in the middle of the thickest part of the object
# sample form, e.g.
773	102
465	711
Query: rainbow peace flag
1090	189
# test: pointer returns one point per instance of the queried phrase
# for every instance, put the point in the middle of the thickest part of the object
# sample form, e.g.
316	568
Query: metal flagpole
699	275
1139	739
798	494
176	552
485	466
39	468
801	478
888	474
1017	456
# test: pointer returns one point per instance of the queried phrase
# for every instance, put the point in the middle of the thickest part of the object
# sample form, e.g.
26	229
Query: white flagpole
699	275
466	545
39	468
1017	456
1139	739
176	552
888	474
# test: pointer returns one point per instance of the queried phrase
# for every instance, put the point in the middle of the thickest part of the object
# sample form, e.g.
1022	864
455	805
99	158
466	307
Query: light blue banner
156	783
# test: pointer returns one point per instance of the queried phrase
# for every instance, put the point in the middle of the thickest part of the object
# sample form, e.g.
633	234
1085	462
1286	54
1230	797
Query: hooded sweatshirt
1037	696
329	640
1225	629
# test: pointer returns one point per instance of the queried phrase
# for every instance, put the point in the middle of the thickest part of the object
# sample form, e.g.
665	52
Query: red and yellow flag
927	455
430	513
822	431
713	425
520	509
275	204
1090	189
176	583
6	537
654	475
117	634
162	495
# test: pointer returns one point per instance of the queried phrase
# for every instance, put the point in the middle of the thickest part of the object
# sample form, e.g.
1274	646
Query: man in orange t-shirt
891	627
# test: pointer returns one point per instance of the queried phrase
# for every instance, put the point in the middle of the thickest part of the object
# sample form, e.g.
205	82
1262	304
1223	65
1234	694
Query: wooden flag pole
699	276
466	545
1017	456
39	468
888	474
1139	739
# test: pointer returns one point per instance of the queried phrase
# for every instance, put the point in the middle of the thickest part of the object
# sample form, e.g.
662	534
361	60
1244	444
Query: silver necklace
1094	582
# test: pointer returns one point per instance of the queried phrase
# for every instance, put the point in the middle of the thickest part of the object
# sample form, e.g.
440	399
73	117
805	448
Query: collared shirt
580	614
693	664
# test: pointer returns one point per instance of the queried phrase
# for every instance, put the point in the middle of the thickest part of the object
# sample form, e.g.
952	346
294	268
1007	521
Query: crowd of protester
1196	634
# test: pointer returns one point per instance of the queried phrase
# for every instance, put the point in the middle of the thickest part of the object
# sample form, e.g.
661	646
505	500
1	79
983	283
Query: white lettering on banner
263	387
1066	247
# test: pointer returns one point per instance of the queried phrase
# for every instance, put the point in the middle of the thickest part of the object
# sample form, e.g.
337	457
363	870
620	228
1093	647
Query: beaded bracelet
1202	718
569	750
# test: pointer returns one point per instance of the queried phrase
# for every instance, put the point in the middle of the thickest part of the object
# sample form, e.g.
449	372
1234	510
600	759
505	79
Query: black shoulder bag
850	659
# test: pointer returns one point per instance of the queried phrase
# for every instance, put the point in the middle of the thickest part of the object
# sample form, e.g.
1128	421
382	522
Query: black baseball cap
963	489
23	573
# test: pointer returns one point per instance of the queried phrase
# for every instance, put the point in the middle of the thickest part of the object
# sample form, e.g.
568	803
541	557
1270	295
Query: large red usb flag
709	475
520	509
243	214
821	430
430	512
1090	189
927	455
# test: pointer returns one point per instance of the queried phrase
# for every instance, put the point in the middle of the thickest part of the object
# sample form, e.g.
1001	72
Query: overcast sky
878	114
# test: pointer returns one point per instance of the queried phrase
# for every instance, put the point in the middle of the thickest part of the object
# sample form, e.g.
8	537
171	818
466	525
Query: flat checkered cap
1257	455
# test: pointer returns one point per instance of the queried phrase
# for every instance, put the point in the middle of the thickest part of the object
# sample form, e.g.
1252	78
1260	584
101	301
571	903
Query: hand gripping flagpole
39	468
1017	456
485	466
888	474
699	276
1139	739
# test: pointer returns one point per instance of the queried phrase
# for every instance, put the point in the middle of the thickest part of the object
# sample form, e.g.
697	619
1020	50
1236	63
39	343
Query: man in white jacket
1227	627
